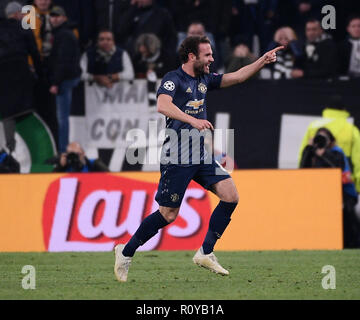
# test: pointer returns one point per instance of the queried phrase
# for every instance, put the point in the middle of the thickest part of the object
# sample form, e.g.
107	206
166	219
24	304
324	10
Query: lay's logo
94	212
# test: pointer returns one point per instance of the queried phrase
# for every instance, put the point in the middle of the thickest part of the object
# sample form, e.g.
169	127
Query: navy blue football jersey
189	95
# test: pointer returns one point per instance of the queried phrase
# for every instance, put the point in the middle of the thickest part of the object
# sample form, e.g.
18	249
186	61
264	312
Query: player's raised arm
166	107
241	75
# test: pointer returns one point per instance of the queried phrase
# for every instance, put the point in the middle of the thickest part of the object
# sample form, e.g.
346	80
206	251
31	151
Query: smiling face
204	59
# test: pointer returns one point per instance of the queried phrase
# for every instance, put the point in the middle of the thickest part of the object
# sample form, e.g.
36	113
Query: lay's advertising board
278	210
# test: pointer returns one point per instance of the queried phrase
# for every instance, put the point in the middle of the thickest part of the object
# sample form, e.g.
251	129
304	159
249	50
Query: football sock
218	222
147	229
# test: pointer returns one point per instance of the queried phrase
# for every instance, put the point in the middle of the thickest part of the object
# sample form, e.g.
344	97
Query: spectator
304	11
109	15
150	57
286	58
44	101
240	57
144	16
106	63
4	3
187	11
221	11
220	22
75	160
322	152
64	71
349	50
320	58
346	134
16	80
81	13
343	10
42	31
196	28
254	17
212	14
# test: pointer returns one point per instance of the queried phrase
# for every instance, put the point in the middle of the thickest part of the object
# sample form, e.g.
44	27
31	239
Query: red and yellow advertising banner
278	210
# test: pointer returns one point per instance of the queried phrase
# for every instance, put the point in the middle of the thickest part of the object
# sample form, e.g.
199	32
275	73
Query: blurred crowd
148	33
105	41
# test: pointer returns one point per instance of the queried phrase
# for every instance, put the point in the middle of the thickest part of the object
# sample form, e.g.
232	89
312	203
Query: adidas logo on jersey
189	90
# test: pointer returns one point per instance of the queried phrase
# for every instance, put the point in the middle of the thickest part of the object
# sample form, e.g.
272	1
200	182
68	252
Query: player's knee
232	197
169	214
235	197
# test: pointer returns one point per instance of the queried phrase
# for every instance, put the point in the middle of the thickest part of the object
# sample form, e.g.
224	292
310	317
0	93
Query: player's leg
148	228
221	216
224	187
172	186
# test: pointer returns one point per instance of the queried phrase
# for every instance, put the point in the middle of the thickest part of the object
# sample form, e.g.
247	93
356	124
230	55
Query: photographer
322	152
74	160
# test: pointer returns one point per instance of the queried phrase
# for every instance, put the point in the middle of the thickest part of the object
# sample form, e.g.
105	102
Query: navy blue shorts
176	178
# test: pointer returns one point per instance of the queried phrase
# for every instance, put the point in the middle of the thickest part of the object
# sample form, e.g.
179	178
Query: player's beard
199	68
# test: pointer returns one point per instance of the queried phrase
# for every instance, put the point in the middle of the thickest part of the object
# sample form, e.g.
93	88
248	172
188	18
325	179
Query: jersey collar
191	77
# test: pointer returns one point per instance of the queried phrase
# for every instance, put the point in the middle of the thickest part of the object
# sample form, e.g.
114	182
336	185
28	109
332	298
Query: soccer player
181	98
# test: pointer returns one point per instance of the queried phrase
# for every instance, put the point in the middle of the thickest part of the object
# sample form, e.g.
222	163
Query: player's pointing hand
270	57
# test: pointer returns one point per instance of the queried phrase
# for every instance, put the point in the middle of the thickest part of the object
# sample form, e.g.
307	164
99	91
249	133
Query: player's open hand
270	57
201	124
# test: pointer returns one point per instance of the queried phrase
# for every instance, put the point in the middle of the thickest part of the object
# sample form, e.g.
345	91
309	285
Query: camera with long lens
320	141
73	161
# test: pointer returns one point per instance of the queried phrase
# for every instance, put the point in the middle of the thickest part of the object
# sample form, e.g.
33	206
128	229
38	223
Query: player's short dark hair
191	45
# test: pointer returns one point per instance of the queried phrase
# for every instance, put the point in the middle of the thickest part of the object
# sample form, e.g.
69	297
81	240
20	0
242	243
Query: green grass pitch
172	275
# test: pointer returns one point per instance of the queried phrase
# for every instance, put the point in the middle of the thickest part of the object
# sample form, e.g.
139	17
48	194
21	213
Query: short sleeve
214	81
168	85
